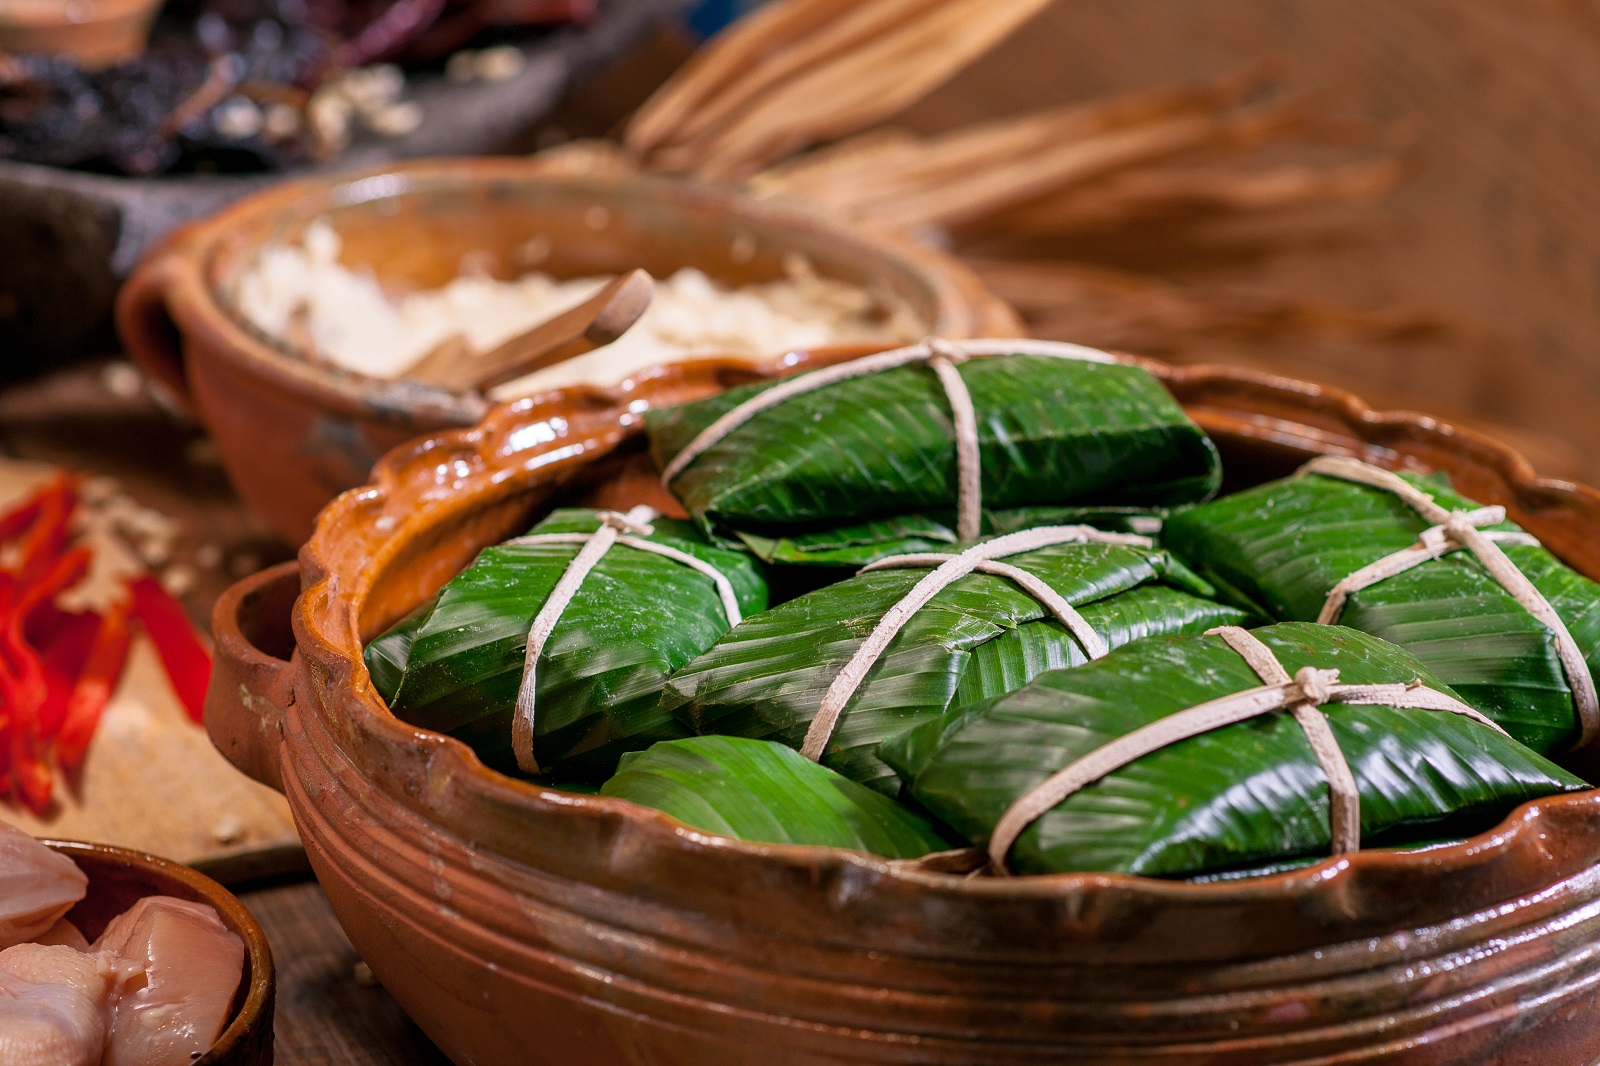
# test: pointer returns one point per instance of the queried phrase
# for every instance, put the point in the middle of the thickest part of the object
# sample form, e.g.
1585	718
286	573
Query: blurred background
1464	280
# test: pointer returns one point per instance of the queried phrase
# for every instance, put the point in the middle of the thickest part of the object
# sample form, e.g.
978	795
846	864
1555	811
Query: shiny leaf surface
636	618
1286	544
387	655
1051	431
766	677
761	791
859	543
1245	795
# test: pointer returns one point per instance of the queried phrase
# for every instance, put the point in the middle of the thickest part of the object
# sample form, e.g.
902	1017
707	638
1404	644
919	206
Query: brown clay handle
252	680
145	325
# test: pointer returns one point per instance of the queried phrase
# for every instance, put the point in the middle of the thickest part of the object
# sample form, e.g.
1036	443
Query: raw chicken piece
52	1007
182	966
37	886
65	933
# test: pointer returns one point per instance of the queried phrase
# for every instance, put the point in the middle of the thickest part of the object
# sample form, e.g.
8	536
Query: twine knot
1316	686
1460	525
943	349
624	524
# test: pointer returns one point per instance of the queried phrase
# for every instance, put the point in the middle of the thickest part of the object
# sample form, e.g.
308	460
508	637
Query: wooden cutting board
151	780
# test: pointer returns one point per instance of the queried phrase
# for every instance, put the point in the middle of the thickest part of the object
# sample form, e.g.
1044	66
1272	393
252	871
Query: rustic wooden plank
325	1017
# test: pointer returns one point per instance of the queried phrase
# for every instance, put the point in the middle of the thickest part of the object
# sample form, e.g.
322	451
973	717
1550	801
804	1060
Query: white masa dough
355	325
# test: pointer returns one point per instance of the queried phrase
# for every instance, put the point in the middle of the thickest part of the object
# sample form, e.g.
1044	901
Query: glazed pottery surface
293	432
118	878
95	33
518	924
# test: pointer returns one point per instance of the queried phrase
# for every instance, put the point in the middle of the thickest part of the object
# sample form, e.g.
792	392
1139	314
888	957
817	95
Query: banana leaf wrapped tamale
648	596
762	791
1177	756
838	670
866	542
925	440
1408	559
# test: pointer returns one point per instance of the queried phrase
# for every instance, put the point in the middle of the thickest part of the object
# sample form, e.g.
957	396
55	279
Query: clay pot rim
32	13
183	266
256	1010
326	636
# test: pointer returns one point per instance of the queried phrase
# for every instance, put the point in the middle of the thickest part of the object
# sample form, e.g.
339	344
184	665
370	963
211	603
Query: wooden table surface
326	1017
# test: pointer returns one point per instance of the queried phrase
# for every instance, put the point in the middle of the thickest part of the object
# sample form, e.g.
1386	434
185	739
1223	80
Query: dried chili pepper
183	656
96	682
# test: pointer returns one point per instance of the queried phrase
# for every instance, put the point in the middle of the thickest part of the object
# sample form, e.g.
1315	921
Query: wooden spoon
594	323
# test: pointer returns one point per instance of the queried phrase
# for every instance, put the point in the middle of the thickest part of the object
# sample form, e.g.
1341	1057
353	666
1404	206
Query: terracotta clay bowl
118	878
95	33
517	924
294	433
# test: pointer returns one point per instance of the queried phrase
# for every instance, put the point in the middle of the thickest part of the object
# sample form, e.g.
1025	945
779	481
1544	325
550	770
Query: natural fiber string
964	420
948	569
1093	644
1344	799
614	529
1456	531
942	356
1308	686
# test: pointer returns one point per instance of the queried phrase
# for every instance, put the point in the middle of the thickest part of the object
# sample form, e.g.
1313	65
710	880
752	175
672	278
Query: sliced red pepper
64	653
30	773
5	762
51	529
16	521
96	683
27	671
27	772
183	656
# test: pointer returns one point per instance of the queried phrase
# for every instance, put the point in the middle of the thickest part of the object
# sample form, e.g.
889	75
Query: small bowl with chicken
114	957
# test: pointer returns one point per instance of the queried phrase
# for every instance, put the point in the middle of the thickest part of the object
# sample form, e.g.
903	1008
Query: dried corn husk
802	73
793	101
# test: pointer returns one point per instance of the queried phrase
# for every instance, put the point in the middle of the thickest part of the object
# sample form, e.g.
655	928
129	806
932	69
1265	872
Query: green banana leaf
860	543
636	618
979	637
1246	795
760	791
1284	545
1051	432
388	654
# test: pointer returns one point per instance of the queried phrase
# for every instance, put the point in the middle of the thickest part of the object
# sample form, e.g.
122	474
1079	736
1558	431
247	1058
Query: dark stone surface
68	238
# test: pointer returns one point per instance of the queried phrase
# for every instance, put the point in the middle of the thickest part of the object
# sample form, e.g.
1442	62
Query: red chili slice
17	521
183	656
65	640
95	685
51	529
